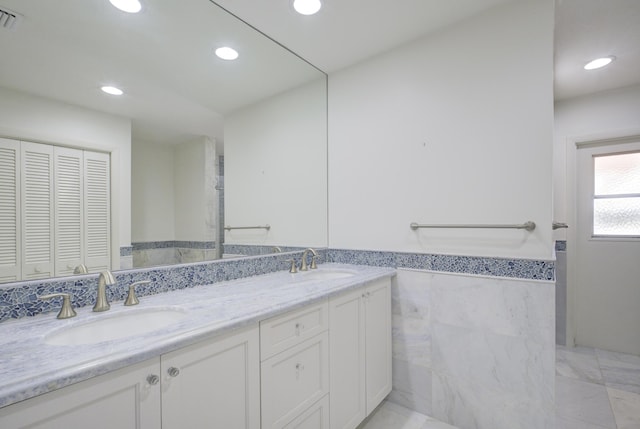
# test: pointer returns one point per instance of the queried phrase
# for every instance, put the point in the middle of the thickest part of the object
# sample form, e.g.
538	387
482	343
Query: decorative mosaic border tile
149	245
20	299
561	245
255	250
498	267
126	250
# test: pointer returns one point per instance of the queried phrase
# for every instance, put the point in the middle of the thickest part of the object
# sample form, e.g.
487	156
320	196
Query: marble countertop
30	367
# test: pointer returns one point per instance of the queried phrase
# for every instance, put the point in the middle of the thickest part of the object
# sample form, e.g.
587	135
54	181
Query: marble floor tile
393	416
581	400
619	370
563	422
626	408
436	424
578	362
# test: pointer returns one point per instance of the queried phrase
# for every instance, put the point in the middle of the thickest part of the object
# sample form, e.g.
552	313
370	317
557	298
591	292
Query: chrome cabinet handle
153	379
173	371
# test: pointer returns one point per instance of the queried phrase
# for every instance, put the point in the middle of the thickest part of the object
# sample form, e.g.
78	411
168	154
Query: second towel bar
267	227
529	226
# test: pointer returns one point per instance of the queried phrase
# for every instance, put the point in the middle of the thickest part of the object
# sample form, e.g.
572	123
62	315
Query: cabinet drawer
294	380
279	333
314	417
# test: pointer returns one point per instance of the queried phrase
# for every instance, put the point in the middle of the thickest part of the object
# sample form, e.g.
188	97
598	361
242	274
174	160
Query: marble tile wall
474	351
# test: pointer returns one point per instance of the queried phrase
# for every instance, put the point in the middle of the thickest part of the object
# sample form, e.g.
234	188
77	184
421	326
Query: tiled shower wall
474	351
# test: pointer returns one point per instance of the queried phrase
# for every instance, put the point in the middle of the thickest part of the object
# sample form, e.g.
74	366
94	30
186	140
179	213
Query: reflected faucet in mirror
81	269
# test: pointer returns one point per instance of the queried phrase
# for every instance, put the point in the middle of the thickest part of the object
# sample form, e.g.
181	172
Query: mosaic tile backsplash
498	267
21	299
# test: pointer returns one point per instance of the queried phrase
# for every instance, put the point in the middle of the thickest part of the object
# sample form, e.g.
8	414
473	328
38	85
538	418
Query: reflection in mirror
194	143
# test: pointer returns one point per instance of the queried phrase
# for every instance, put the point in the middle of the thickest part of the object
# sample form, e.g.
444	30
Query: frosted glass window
616	204
617	174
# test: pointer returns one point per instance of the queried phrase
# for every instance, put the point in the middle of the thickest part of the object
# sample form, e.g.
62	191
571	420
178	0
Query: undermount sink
116	326
325	274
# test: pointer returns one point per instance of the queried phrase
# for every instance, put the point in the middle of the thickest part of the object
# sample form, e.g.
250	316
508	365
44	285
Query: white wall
173	191
194	171
276	169
603	115
152	202
452	128
25	117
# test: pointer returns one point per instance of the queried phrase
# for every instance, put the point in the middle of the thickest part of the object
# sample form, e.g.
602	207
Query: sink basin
325	274
112	327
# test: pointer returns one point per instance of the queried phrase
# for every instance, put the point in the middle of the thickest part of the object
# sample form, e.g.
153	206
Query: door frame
572	144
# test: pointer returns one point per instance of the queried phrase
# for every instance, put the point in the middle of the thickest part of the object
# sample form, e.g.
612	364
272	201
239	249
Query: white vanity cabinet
295	369
212	384
360	352
125	399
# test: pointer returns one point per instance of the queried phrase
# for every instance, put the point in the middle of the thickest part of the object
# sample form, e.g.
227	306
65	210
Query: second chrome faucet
102	302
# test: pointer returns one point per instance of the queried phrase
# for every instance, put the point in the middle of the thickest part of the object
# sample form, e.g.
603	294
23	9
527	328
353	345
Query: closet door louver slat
10	264
68	210
37	211
97	211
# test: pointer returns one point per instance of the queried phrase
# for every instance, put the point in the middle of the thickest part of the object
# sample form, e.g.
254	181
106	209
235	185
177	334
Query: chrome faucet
303	264
105	279
81	269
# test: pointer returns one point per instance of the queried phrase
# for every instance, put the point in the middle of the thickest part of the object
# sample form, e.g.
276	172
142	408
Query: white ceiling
588	29
346	32
175	88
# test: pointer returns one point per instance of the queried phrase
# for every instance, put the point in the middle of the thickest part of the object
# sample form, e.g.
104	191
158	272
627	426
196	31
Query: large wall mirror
205	157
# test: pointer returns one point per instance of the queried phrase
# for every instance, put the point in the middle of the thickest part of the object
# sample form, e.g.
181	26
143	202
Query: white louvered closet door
97	211
37	210
69	219
10	263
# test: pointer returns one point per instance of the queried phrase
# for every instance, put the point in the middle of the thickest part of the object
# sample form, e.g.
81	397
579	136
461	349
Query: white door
607	268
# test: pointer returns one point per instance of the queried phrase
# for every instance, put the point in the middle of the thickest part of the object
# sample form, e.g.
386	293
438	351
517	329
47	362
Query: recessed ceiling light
227	53
307	7
112	90
130	6
598	63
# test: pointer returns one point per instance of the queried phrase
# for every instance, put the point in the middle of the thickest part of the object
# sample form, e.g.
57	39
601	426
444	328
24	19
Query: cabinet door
122	399
69	219
347	360
10	254
37	210
97	211
214	384
377	303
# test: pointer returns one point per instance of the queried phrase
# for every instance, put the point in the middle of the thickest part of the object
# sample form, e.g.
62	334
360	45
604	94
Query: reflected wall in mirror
194	143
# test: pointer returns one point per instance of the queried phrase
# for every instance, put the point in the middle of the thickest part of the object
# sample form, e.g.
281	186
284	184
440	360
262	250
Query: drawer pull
299	368
173	371
299	328
153	379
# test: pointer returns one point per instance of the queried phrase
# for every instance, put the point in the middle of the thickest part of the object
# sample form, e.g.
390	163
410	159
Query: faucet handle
132	299
66	311
313	262
294	268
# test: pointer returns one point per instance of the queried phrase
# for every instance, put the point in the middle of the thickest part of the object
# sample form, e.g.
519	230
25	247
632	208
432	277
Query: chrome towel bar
529	226
267	227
